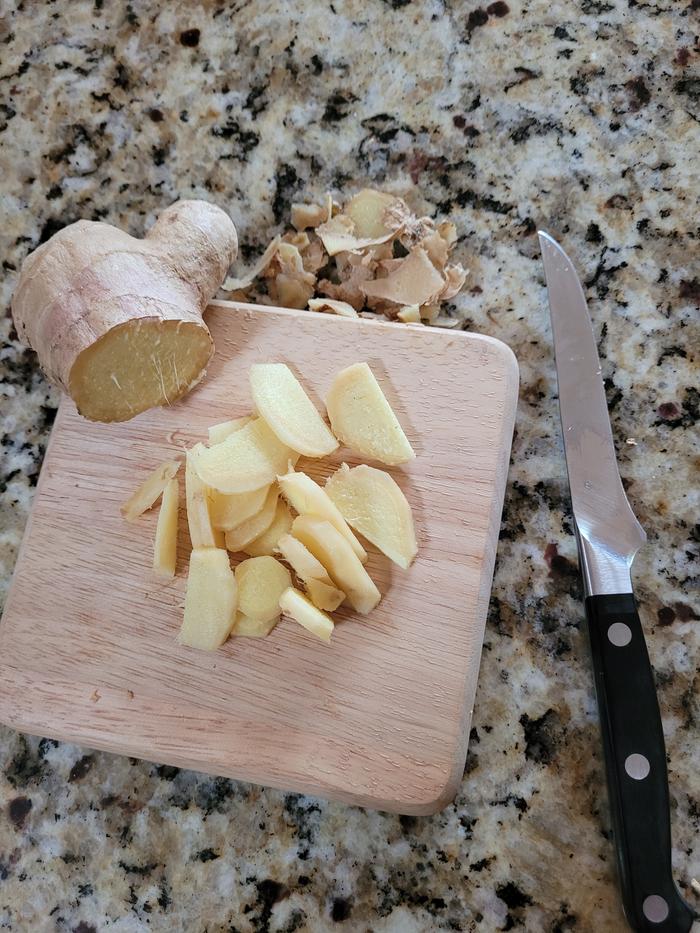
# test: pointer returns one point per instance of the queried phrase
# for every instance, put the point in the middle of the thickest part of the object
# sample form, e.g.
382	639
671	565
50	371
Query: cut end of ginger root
371	255
244	495
117	321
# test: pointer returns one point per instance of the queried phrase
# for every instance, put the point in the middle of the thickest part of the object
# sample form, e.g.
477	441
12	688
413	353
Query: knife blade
608	536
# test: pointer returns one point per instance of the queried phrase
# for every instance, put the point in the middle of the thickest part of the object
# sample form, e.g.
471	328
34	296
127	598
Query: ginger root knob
116	321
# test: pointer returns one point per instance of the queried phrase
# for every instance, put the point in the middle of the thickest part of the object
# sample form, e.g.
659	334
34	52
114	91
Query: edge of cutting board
12	713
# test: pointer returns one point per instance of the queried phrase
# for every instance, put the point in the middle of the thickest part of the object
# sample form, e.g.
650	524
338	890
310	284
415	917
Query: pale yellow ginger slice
219	432
414	282
245	281
229	510
268	541
202	532
339	234
328	305
367	210
165	546
410	314
148	493
371	501
308	498
308	215
324	596
244	627
245	461
342	564
295	605
362	418
311	572
210	600
240	536
261	581
280	399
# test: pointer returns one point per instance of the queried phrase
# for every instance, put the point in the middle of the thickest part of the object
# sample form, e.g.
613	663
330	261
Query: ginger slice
298	607
150	490
261	581
268	541
252	528
410	314
219	432
362	418
229	510
210	600
165	546
245	461
281	400
373	504
202	532
308	498
245	627
342	564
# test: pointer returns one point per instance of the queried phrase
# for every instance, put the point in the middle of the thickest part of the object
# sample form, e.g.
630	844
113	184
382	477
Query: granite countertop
582	116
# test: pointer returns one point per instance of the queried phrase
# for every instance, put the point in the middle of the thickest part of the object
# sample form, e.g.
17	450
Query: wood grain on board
381	717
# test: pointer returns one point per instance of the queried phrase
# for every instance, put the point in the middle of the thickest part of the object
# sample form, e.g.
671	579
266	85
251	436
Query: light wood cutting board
381	718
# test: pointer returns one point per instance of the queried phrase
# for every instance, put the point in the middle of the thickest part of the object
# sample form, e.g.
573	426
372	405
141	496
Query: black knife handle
635	761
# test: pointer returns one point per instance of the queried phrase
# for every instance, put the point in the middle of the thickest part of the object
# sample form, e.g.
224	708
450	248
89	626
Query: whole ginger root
116	321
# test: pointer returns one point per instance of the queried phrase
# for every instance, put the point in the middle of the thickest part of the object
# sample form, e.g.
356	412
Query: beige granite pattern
581	116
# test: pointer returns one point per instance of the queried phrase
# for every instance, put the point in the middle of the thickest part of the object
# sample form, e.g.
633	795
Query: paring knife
608	537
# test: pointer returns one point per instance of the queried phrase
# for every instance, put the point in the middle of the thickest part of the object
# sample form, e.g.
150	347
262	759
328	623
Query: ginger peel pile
373	255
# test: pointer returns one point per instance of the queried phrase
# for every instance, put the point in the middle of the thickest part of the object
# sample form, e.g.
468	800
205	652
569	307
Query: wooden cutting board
381	718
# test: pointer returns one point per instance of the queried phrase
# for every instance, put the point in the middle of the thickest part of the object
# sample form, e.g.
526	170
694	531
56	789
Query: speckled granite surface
580	115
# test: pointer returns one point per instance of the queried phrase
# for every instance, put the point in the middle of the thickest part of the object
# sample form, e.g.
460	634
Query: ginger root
117	322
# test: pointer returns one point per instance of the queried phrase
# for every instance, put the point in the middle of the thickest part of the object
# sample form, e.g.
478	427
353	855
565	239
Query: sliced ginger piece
219	432
229	510
308	498
280	399
261	581
410	314
268	541
363	419
366	210
252	528
370	501
202	532
342	564
245	461
302	610
148	493
254	628
324	594
210	600
165	546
